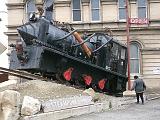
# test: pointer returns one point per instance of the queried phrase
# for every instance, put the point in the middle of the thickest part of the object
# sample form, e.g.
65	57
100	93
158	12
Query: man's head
135	77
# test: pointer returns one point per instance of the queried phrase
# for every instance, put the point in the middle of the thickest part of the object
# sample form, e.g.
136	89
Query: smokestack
30	6
48	9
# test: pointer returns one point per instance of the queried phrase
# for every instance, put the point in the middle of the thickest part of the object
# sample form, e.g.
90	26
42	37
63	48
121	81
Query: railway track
22	74
30	76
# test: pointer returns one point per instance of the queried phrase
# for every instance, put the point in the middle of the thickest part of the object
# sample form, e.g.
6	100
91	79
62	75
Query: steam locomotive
95	60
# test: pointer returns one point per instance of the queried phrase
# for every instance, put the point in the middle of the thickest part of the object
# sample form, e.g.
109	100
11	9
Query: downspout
128	44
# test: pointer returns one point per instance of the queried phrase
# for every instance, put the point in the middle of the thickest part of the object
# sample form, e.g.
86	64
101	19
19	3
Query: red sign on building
138	21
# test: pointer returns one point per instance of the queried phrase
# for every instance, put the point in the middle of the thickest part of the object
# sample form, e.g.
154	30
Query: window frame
80	6
99	11
139	58
146	7
123	20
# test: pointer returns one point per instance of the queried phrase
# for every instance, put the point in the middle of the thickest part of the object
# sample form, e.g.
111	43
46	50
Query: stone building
97	15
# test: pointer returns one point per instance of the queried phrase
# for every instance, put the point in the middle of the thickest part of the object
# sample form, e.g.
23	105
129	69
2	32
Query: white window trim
139	60
95	9
142	7
76	9
120	20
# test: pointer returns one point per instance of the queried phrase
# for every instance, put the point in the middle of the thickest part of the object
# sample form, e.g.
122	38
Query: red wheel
67	74
101	84
87	79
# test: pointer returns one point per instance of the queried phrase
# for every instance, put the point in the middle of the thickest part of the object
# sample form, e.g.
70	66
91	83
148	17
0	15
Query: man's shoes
137	102
142	103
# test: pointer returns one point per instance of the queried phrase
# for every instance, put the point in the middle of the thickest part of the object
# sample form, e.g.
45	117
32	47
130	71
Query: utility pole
128	43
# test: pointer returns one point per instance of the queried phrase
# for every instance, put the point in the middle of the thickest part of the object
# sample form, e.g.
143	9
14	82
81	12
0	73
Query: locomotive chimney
48	9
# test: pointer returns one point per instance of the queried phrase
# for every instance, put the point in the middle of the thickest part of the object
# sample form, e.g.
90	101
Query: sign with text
140	21
156	70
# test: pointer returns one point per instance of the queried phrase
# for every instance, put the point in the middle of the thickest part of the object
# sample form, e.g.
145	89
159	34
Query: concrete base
65	113
129	94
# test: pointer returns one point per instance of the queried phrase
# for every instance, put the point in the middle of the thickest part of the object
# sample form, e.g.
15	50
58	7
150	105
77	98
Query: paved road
149	111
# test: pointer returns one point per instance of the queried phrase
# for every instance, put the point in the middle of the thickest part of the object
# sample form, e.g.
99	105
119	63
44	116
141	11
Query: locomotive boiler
95	60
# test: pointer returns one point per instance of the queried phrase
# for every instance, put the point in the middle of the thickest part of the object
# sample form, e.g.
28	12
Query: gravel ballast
49	90
46	90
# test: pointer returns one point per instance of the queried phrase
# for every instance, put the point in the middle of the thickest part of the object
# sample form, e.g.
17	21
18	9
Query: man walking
139	87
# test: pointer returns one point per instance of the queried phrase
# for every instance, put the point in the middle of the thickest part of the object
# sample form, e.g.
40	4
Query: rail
22	74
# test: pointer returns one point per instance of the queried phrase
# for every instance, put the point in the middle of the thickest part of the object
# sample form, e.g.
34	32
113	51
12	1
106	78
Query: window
95	10
134	58
122	9
142	8
76	10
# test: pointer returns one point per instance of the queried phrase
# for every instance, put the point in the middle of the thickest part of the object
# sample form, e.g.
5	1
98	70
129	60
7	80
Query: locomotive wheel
87	79
59	78
68	74
101	84
94	87
79	83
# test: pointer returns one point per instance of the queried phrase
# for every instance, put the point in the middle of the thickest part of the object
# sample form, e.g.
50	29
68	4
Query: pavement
152	93
128	109
149	111
149	94
111	103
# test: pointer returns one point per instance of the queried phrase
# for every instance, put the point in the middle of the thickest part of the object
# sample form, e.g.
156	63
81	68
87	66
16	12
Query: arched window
134	58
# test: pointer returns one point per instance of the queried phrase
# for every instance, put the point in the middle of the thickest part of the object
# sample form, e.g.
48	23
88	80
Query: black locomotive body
99	61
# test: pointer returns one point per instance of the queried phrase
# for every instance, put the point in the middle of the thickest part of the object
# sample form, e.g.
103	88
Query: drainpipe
128	44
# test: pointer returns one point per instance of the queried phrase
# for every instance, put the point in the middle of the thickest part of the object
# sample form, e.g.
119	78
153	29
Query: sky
3	37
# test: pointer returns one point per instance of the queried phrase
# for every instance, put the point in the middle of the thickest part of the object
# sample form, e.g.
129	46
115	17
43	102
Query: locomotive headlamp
19	42
32	17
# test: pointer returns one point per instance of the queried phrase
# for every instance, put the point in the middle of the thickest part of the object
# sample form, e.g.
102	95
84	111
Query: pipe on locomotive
79	40
84	46
54	33
84	40
64	37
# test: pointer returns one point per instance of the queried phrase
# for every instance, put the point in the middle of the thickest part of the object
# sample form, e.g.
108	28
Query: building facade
97	16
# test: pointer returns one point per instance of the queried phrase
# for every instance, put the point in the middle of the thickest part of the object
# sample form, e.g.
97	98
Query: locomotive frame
99	61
